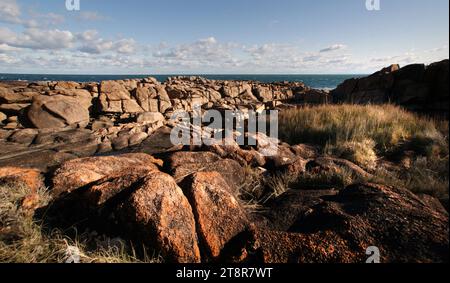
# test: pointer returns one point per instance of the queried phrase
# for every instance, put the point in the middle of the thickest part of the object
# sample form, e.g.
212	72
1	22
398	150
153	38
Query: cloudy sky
219	37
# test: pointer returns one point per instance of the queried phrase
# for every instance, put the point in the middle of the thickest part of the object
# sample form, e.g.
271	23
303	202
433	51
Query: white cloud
5	48
90	42
34	38
9	11
207	52
90	16
125	46
7	59
333	47
37	20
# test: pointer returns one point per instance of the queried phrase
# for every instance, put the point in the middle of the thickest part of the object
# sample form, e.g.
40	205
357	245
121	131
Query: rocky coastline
104	153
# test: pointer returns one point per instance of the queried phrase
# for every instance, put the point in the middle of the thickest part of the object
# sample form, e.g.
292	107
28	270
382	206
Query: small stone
150	117
120	142
25	136
3	117
137	138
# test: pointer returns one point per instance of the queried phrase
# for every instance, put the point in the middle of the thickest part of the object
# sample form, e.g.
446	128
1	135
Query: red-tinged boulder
31	178
158	214
275	247
384	217
339	227
183	164
80	172
102	191
219	215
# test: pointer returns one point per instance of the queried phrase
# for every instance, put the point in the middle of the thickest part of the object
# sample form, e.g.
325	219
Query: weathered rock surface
386	217
30	178
128	195
205	221
160	215
331	164
57	112
284	211
3	117
219	215
338	227
150	117
183	164
77	173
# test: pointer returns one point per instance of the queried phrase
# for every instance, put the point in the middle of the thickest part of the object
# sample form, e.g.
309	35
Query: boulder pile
201	216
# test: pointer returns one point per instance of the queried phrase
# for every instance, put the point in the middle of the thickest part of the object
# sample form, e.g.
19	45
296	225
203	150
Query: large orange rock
109	187
159	214
381	216
30	177
80	172
340	227
184	164
219	215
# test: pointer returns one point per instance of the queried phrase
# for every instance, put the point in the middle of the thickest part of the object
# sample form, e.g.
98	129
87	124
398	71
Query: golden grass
23	240
365	133
386	125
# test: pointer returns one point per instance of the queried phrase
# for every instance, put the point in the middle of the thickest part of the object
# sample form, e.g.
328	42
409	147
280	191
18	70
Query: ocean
314	81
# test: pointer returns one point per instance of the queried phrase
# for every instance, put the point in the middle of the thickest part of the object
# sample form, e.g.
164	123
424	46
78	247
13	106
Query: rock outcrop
332	227
202	219
104	151
416	87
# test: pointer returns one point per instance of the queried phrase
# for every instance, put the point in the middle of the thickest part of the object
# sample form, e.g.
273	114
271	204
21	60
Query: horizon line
193	74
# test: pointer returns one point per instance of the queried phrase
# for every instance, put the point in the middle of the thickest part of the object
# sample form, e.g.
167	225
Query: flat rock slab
80	172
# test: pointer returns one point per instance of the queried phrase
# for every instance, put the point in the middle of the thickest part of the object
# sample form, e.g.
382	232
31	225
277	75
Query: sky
220	37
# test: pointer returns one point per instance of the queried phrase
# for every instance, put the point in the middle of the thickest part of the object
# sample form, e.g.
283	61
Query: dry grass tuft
386	125
361	153
23	240
364	134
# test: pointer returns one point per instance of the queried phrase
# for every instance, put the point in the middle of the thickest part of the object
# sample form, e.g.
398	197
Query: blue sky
209	36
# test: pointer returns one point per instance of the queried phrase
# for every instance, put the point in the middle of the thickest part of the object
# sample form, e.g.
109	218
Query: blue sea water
314	81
